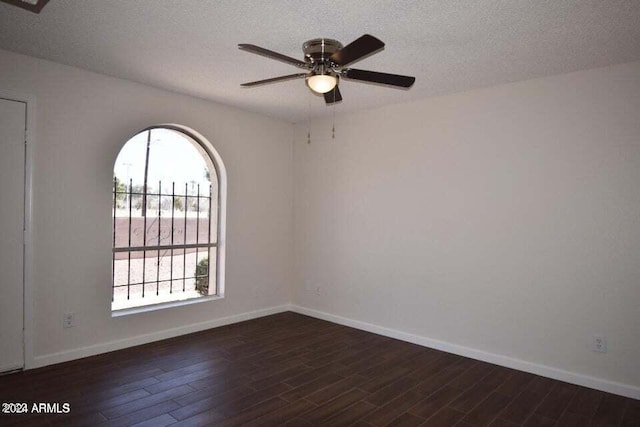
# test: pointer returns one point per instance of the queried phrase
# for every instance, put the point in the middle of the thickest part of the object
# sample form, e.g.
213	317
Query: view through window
165	220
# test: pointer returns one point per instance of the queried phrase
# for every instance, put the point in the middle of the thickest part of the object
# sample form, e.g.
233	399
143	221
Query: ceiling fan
326	61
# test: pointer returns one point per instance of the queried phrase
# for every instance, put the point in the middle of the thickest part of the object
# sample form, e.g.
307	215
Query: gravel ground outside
154	293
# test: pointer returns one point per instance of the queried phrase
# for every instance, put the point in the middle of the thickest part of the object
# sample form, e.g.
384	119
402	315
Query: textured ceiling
190	46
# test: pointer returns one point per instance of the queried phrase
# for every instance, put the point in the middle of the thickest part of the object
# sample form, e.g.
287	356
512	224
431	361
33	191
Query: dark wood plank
571	419
141	415
436	401
24	420
631	415
393	390
476	394
350	414
328	393
394	408
515	384
235	406
499	422
444	418
382	379
472	376
202	419
89	419
311	387
282	415
145	402
306	377
610	411
488	410
407	420
225	390
229	403
585	402
226	378
280	376
523	406
242	417
297	422
557	401
444	376
339	403
159	421
537	420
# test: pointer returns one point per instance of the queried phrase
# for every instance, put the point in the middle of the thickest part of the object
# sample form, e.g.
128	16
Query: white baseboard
78	353
5	369
622	389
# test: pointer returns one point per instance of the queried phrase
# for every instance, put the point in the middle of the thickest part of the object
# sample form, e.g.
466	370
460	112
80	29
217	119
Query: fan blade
375	77
333	96
273	55
274	79
356	50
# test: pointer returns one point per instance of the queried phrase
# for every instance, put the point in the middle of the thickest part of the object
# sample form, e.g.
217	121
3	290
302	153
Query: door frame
27	252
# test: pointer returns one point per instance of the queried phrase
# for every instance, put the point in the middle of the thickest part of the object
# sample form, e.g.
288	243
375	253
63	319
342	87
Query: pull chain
333	128
309	121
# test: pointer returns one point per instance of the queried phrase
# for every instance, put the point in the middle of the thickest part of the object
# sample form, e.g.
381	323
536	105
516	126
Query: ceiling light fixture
322	83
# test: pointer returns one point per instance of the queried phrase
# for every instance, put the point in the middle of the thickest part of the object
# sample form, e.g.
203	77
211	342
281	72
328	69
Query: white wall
505	220
82	120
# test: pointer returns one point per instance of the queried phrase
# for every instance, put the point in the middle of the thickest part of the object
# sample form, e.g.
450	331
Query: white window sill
163	305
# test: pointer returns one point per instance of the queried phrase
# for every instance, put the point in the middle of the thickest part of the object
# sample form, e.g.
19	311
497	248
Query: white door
12	193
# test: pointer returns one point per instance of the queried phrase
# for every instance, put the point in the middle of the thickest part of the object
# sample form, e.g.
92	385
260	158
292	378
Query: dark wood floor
290	369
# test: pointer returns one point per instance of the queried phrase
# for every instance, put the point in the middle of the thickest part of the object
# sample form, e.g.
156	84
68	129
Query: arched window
169	192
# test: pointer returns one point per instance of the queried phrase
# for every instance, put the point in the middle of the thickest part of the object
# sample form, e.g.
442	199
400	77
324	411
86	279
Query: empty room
319	213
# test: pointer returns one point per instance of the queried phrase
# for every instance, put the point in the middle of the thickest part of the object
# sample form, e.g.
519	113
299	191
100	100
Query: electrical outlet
599	344
69	320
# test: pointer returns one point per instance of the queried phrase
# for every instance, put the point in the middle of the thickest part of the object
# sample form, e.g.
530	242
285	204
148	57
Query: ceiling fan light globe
322	83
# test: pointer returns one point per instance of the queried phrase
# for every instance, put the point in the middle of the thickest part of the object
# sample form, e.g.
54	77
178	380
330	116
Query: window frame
220	245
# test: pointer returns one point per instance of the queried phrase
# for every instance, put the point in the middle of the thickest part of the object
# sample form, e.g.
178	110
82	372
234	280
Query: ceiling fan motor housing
318	51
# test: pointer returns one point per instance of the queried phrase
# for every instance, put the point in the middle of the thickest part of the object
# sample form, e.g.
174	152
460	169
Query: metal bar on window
129	258
211	259
163	280
165	247
173	205
209	230
218	225
113	261
144	220
198	217
140	194
197	231
184	252
146	174
159	233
